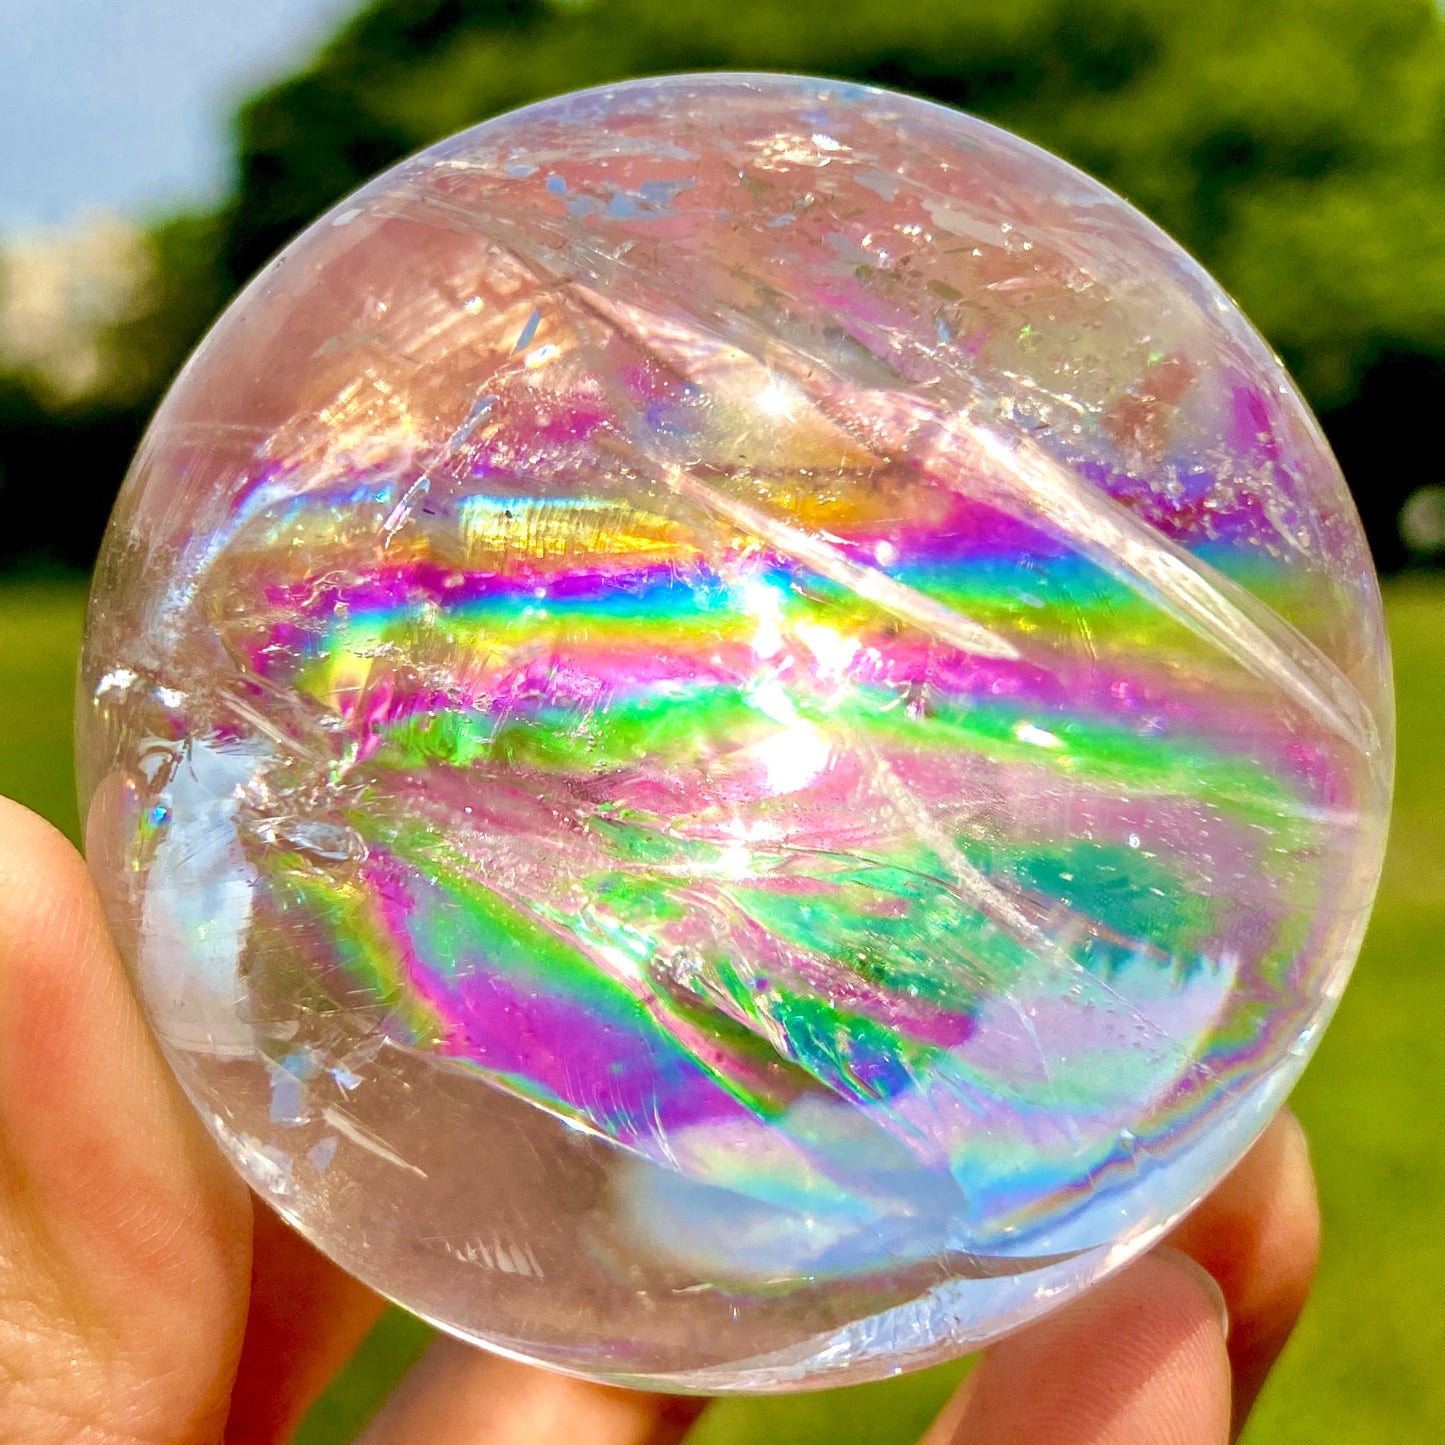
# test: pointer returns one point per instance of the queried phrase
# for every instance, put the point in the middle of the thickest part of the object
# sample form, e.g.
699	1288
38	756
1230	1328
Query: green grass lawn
1366	1364
39	640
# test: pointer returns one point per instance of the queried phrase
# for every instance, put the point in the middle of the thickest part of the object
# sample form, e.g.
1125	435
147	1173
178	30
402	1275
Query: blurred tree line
1296	147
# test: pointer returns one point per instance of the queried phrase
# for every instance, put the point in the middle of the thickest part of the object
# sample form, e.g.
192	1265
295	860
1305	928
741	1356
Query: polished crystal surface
738	732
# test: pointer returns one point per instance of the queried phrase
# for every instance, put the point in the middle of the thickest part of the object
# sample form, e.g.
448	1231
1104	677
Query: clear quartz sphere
737	730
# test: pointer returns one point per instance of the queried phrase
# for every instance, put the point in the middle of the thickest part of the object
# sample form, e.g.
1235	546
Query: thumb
124	1238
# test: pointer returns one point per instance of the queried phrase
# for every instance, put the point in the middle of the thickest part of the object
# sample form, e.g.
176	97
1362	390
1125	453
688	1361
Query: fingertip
87	1102
121	1224
45	889
1139	1360
62	995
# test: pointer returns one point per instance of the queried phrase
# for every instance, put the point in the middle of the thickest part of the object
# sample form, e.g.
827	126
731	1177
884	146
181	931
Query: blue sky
122	104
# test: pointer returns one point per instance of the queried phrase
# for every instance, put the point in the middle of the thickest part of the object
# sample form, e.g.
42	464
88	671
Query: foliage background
1297	147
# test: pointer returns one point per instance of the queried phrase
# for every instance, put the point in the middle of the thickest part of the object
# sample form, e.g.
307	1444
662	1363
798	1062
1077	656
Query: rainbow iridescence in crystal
738	732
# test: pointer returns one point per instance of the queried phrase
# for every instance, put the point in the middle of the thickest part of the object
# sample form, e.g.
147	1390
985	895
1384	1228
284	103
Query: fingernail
1207	1281
1291	1121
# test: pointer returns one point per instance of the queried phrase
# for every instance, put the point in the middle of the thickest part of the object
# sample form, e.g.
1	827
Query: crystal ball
737	730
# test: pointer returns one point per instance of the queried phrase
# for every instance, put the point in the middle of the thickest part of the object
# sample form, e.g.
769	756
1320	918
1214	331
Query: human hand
144	1298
